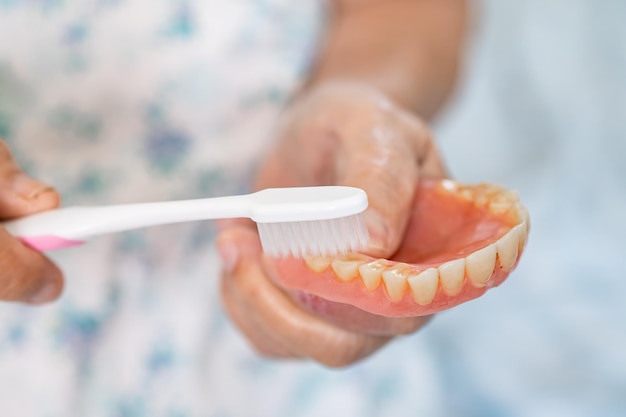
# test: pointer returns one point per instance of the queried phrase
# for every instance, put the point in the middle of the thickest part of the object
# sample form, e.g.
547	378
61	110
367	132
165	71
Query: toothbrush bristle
314	238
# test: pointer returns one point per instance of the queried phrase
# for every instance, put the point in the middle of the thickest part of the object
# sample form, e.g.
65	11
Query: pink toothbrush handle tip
48	242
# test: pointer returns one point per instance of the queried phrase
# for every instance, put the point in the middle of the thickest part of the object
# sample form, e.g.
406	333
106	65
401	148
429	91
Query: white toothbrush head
310	221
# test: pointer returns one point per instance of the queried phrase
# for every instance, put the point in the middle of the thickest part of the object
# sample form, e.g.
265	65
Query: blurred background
542	109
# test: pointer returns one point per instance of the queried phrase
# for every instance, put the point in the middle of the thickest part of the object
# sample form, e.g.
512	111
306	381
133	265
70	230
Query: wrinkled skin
25	275
334	134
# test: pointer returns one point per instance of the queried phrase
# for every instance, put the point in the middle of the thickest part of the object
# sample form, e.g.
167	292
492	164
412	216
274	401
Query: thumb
386	220
21	195
389	172
390	195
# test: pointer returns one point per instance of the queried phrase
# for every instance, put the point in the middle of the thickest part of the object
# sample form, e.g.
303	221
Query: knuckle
392	185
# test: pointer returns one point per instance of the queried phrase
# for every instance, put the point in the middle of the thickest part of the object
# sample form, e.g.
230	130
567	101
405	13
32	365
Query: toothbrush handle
133	216
79	223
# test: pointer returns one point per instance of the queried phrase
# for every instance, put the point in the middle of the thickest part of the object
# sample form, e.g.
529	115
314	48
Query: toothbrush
298	221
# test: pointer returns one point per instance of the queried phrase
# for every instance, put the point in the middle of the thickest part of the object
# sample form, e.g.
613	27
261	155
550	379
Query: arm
409	49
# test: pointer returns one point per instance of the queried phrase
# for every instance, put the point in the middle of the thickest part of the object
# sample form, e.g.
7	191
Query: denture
461	240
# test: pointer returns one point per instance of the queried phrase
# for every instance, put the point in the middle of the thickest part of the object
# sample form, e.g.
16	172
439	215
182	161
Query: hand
337	133
25	275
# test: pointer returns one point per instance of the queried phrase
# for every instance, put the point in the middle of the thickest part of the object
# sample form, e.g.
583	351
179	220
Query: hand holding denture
445	242
434	243
343	134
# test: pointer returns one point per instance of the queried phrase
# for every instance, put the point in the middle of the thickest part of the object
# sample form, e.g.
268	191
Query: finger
26	275
246	322
388	172
387	161
225	224
21	195
238	310
283	321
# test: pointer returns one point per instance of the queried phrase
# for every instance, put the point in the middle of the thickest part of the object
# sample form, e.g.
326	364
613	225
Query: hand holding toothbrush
339	134
25	274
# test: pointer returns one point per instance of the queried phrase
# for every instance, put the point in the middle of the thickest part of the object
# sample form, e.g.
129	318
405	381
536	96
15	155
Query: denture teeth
467	194
507	248
524	216
481	200
479	265
346	267
451	275
503	203
317	264
499	207
522	234
511	195
371	273
395	280
424	285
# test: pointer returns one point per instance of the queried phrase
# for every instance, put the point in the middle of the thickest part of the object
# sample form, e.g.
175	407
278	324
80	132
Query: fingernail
46	293
28	188
378	230
229	254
